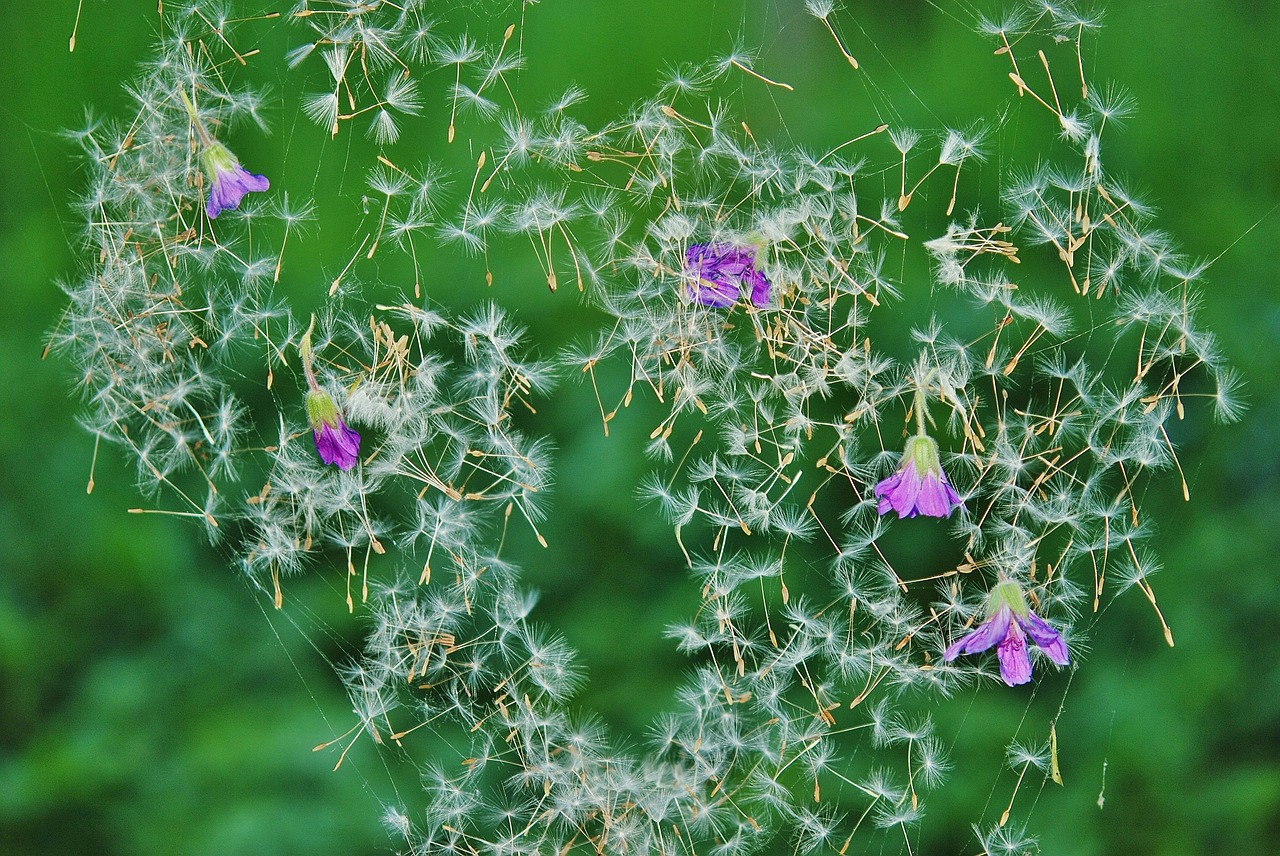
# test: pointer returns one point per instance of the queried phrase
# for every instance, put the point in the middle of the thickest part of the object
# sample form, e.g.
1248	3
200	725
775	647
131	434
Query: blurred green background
152	705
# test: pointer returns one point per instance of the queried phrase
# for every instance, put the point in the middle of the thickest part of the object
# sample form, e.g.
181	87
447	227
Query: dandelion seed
1009	623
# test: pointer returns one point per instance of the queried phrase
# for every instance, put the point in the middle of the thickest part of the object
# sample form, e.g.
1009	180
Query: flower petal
1046	638
759	289
338	446
884	488
325	444
988	633
933	501
719	273
711	293
349	446
1015	665
953	498
901	489
229	187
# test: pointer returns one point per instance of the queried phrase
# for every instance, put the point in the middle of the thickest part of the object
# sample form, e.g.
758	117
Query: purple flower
1010	622
335	442
228	181
919	486
721	272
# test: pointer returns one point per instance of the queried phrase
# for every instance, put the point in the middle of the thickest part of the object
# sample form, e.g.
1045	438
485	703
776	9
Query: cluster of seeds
742	285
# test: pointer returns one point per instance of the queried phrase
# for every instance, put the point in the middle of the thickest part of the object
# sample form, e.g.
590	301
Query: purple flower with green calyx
919	486
1010	622
336	443
719	273
228	181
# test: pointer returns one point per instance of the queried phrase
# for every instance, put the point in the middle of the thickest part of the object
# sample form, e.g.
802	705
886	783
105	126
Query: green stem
205	139
921	412
304	348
